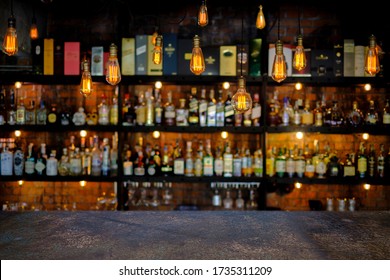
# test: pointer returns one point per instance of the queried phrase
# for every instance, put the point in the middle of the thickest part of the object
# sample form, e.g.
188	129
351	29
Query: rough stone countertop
198	235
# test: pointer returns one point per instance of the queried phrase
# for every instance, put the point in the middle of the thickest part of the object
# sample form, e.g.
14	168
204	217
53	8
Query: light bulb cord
242	41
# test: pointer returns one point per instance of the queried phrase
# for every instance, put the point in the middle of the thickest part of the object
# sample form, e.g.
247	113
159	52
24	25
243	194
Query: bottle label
386	118
52	118
178	167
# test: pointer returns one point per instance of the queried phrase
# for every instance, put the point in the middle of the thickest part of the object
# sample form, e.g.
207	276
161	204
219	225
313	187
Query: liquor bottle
158	108
96	157
40	163
355	117
178	160
309	166
208	160
103	111
52	164
273	116
240	202
300	164
114	111
318	114
362	161
349	169
41	113
227	201
256	110
220	111
203	108
182	113
127	164
169	111
150	164
106	157
167	162
280	163
238	118
52	118
21	112
237	163
79	118
290	164
372	116
336	115
11	115
128	112
227	161
114	155
18	161
31	113
86	162
270	162
286	112
217	199
386	113
149	110
29	165
333	166
258	163
189	161
65	116
371	161
193	104
7	162
3	112
211	110
247	163
198	163
140	110
307	114
63	165
229	110
387	165
218	162
381	162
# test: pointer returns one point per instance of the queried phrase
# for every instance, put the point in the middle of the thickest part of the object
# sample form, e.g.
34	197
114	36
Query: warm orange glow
197	64
10	43
113	71
86	80
299	60
279	67
260	20
241	100
203	17
371	65
34	32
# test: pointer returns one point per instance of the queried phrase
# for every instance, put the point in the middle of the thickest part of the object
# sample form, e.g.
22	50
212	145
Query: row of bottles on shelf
99	159
237	196
323	114
298	163
19	114
195	110
203	161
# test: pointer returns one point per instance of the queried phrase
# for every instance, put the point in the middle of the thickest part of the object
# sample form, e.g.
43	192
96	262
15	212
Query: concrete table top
198	235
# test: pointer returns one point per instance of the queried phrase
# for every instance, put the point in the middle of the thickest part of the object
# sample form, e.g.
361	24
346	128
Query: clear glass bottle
182	114
290	164
40	163
220	111
158	108
31	113
386	113
355	116
189	161
63	165
372	116
178	160
218	162
114	111
7	163
228	200
212	110
307	114
208	160
169	111
41	113
21	112
318	114
29	165
149	109
18	161
256	110
227	161
229	110
11	115
203	108
300	164
237	163
52	164
362	162
280	163
103	112
258	163
96	158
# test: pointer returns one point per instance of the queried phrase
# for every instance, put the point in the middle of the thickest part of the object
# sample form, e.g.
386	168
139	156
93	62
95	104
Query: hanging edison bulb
113	71
157	50
279	67
34	29
260	20
10	42
371	64
197	64
203	17
241	100
299	60
86	80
